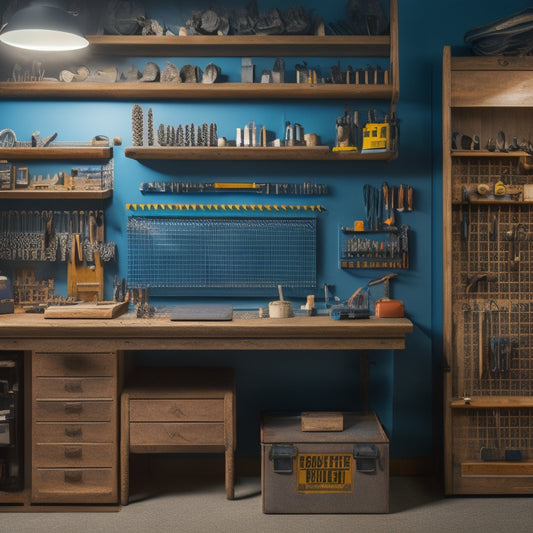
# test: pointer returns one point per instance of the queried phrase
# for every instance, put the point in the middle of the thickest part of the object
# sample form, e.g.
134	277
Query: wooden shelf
162	91
56	194
293	153
497	468
486	153
83	152
241	45
488	402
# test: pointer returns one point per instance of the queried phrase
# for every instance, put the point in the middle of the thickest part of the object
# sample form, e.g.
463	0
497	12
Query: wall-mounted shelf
84	152
56	194
241	45
162	91
232	153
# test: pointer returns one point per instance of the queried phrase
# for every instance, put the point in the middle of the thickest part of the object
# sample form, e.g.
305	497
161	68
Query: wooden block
322	421
87	310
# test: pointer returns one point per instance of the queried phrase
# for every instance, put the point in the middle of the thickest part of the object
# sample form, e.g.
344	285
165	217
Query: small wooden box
324	471
322	421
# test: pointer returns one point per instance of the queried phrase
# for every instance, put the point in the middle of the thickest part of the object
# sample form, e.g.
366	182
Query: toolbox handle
282	456
366	457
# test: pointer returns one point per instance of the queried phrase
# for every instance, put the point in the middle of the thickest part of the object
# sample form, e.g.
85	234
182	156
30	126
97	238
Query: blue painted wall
406	386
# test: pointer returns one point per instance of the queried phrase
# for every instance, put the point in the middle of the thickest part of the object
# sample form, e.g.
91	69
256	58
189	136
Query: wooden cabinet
487	285
74	428
181	410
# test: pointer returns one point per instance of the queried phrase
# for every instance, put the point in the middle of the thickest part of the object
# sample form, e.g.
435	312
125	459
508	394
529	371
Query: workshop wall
405	387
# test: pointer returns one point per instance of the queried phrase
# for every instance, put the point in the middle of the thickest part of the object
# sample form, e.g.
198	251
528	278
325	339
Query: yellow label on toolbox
324	473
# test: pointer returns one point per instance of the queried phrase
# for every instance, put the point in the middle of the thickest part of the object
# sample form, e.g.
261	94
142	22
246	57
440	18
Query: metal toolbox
324	471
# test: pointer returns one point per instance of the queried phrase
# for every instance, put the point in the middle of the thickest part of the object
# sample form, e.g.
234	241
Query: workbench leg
124	449
229	442
363	380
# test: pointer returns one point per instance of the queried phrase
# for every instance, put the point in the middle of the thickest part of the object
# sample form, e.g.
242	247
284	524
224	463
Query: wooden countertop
26	331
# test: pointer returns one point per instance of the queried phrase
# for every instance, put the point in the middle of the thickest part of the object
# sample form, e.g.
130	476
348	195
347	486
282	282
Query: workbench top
128	332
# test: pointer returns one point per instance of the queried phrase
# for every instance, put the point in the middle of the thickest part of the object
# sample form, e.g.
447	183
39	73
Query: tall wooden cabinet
488	278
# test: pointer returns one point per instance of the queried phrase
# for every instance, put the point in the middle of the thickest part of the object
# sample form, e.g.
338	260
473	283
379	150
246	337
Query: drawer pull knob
73	477
73	408
73	431
73	452
73	386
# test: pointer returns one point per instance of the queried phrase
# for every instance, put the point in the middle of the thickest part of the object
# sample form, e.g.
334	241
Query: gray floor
199	505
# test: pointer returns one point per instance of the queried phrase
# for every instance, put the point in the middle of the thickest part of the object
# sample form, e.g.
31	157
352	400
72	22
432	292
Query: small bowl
280	309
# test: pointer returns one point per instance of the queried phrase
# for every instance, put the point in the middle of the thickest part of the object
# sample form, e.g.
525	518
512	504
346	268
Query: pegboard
172	253
491	262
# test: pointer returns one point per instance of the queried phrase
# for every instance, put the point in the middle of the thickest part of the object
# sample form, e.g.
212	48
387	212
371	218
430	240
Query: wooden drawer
82	411
188	434
58	433
74	455
148	410
74	485
74	364
67	388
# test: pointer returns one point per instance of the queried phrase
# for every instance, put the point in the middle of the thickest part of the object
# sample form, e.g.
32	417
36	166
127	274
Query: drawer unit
75	438
193	410
68	388
67	433
160	434
74	485
78	455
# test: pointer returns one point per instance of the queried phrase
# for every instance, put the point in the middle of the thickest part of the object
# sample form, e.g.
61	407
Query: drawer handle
73	408
73	452
73	431
73	477
73	386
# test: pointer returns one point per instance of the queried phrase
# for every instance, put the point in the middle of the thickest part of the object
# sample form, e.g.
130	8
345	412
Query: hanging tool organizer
487	275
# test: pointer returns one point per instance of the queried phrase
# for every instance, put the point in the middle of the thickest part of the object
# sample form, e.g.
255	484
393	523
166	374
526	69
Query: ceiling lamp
44	28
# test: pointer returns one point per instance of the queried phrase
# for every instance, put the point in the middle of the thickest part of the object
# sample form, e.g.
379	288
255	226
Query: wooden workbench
74	373
30	332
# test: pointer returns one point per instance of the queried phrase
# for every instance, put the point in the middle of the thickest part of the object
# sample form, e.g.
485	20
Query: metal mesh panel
497	307
218	252
492	429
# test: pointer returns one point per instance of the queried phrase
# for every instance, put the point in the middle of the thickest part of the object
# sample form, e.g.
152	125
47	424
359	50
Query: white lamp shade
43	28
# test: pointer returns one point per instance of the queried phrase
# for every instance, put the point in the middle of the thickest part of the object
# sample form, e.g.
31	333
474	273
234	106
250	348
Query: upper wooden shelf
292	153
158	90
242	45
83	152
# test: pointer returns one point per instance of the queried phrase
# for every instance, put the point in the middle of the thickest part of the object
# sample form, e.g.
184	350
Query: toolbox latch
366	457
282	456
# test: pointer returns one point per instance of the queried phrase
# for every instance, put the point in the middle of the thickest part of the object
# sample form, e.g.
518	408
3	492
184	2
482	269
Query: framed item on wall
22	177
6	175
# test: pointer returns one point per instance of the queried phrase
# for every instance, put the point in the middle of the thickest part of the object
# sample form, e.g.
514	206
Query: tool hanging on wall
188	187
48	235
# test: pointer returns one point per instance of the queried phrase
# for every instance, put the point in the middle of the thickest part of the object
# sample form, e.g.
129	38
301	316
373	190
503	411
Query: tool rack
487	282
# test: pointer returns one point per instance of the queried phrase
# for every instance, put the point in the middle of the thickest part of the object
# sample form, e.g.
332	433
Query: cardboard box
324	471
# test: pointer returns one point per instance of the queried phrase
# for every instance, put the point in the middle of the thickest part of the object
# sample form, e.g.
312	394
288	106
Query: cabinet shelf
232	153
488	402
241	45
56	194
486	153
84	152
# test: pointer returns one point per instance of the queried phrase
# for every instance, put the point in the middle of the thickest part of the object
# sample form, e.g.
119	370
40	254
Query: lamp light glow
43	28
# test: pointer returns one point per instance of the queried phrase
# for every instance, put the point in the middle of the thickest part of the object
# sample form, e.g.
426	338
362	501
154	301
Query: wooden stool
178	410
